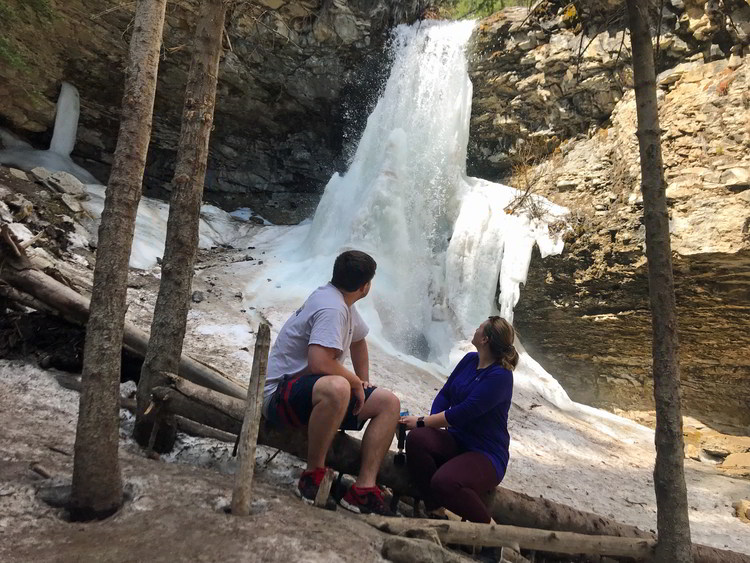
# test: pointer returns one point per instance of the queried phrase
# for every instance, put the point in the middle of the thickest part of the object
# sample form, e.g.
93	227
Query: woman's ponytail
501	336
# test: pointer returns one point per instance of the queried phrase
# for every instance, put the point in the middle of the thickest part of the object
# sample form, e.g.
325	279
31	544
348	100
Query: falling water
448	253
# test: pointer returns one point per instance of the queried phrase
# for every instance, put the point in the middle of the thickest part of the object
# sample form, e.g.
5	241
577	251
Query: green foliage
458	9
42	8
6	14
10	54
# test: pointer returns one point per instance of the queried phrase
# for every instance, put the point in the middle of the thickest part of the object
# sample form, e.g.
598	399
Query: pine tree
97	482
673	525
173	301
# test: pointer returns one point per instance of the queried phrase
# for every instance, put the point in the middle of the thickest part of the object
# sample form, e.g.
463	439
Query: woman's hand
409	421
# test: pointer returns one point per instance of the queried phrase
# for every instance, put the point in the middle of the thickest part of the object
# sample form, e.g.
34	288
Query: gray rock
566	185
736	179
65	183
72	203
40	174
197	296
16	173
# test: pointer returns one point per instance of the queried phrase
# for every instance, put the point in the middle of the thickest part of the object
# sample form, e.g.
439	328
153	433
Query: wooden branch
324	490
249	435
490	535
18	272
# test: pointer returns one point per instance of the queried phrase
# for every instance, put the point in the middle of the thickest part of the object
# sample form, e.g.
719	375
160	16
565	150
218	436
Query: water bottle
400	458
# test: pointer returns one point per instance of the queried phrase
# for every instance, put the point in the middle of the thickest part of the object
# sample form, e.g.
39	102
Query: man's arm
361	359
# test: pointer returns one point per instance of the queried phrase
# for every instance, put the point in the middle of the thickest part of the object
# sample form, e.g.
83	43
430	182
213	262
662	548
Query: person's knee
335	390
444	485
391	404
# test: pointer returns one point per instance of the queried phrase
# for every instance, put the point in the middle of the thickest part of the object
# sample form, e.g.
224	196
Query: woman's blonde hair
500	335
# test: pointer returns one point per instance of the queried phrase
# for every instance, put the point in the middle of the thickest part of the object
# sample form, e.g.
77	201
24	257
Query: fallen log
186	425
19	272
516	538
507	507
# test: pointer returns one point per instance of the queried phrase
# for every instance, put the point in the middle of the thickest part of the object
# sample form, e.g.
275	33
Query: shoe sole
351	507
304	498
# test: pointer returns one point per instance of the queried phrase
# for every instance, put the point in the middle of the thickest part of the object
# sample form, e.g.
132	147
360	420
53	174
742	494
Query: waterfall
448	253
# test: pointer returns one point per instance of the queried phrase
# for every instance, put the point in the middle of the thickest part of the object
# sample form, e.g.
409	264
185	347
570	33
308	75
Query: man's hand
359	394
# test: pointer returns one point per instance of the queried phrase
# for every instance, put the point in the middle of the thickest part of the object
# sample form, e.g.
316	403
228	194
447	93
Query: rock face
584	315
317	62
561	70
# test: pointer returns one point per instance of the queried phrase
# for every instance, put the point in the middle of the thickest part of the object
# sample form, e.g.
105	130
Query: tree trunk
673	525
97	483
173	301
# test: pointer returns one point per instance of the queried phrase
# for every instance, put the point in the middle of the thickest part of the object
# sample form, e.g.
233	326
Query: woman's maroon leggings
449	476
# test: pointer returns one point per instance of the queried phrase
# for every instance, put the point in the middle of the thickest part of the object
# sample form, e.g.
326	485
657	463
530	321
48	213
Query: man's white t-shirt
324	319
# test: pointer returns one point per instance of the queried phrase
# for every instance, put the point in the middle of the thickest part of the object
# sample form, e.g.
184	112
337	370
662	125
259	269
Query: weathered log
19	272
185	425
514	537
507	507
248	440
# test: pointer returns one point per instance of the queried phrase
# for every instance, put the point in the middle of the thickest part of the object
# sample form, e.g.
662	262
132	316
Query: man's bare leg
330	398
382	408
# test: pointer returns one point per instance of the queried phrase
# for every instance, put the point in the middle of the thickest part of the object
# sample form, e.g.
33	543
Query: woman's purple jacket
476	404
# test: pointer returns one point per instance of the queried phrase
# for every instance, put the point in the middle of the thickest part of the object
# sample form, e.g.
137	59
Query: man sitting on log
308	384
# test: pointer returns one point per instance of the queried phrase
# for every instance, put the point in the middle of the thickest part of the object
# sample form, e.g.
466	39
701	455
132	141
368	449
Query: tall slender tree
172	303
673	525
97	482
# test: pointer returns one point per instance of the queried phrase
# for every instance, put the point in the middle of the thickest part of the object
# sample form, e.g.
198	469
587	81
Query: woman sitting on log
460	451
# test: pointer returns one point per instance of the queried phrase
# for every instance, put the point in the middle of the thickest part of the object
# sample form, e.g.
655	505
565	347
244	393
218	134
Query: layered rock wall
296	80
584	315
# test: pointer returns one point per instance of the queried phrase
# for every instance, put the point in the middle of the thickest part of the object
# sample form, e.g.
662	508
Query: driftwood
507	507
248	439
516	538
20	273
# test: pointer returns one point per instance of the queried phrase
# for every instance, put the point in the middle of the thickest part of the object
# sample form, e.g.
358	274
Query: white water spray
444	244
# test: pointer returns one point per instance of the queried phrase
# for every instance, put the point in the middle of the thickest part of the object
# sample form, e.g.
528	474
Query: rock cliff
317	62
563	88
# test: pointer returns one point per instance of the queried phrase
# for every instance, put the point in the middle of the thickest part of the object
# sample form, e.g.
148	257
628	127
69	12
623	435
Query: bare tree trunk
97	483
173	301
673	525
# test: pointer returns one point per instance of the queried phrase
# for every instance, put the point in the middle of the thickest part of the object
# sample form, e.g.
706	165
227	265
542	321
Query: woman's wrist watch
420	422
